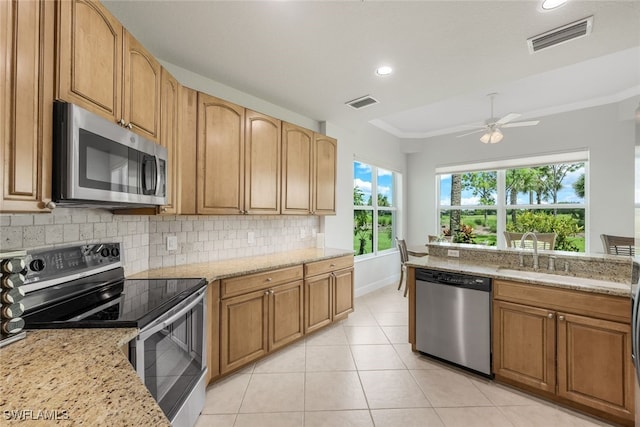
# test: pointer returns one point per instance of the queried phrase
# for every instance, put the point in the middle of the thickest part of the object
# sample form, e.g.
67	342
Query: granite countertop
79	376
557	280
215	270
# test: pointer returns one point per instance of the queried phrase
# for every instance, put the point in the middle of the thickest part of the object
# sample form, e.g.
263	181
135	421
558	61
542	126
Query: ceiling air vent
362	102
560	35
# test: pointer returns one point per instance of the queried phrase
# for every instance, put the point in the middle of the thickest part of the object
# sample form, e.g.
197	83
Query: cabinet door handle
266	292
129	126
550	315
561	318
332	265
269	279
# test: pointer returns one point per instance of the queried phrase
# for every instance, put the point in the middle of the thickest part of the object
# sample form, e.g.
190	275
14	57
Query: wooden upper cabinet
220	155
188	131
262	164
26	102
141	94
90	57
169	107
325	154
297	146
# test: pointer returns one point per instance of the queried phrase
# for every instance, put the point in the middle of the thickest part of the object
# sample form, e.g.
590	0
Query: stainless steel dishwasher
453	318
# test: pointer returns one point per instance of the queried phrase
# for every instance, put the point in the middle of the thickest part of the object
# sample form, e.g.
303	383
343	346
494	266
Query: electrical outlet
453	253
251	238
172	243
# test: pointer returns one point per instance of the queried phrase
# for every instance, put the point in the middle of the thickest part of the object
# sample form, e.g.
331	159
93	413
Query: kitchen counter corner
73	377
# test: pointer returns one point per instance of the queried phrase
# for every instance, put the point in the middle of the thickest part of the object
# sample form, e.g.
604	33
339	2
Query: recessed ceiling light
384	70
552	4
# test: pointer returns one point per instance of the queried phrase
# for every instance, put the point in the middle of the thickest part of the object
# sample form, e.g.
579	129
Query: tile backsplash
144	238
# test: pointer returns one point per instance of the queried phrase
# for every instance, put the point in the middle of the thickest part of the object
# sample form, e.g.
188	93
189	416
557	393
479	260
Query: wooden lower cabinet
342	293
581	360
213	331
256	323
318	308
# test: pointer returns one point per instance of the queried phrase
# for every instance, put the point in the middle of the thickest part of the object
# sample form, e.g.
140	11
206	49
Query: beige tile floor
361	372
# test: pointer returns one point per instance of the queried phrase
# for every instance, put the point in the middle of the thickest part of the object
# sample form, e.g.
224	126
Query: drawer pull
269	279
332	265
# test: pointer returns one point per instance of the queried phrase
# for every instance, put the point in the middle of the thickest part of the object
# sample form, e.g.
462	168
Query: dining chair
404	257
545	240
618	245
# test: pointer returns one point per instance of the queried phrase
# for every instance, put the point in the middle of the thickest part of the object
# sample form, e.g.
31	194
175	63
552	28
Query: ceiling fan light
485	138
552	4
496	136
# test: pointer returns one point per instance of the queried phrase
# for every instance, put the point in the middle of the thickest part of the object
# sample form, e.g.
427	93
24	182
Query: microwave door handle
145	162
157	187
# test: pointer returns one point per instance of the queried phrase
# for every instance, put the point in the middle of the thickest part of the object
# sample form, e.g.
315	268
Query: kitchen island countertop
74	377
557	279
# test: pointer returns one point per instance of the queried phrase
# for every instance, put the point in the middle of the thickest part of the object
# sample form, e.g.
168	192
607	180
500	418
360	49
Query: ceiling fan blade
471	133
508	118
519	124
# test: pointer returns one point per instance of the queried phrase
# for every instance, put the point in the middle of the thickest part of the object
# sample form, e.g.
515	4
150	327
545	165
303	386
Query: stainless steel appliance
453	318
84	287
11	279
635	345
99	163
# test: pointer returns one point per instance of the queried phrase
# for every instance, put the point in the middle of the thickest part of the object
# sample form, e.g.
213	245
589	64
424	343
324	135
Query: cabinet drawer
588	303
253	282
328	265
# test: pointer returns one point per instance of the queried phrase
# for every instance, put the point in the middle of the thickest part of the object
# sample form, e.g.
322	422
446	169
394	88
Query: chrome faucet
535	248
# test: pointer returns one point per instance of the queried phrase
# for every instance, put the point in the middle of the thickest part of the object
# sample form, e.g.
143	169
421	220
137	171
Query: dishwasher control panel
454	279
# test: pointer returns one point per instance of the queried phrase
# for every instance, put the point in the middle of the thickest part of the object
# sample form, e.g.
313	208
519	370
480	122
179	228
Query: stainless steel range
84	287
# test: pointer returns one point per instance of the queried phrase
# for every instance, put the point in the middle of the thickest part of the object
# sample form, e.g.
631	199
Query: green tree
553	175
361	222
483	186
542	222
578	186
383	200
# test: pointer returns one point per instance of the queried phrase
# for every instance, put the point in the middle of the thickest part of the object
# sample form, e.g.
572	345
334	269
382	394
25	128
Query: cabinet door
188	131
594	364
285	314
325	153
296	169
169	101
524	345
342	293
90	57
220	156
26	102
243	329
317	294
141	94
262	164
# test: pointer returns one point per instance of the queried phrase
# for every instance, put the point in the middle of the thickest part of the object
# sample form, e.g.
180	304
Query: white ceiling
311	57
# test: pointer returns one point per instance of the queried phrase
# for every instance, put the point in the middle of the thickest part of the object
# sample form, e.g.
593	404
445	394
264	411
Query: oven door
99	161
170	357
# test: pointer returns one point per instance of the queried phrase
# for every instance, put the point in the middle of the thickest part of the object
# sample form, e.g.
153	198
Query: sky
362	178
566	194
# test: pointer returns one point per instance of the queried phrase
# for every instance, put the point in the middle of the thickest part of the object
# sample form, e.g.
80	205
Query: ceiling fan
491	129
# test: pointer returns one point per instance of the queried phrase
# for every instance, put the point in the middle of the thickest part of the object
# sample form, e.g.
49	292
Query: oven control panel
47	264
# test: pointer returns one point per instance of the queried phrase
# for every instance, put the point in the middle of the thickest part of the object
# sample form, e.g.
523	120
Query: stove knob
14	265
37	265
12	296
12	311
13	326
104	252
12	281
115	252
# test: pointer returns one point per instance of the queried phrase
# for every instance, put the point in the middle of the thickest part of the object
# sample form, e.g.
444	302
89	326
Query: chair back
545	240
402	247
618	245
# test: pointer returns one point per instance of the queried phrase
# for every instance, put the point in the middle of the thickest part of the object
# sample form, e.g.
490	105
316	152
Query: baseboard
363	290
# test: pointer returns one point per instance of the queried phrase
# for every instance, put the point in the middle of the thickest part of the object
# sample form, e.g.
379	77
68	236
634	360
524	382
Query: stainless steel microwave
99	163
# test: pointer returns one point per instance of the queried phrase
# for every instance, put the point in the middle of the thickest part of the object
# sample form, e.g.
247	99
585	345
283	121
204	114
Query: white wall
605	131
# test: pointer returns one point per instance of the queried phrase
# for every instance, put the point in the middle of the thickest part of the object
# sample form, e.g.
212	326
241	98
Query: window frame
502	207
374	208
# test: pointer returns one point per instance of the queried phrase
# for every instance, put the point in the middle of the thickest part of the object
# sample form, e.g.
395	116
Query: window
381	210
478	205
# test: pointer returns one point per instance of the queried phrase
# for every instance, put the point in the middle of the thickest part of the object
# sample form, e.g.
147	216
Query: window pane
385	230
478	226
479	188
361	184
385	188
549	184
362	231
568	224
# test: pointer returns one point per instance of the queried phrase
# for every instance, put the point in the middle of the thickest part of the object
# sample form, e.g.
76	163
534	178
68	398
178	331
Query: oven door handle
161	324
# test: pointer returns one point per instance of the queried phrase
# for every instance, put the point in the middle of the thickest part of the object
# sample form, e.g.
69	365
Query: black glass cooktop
106	300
